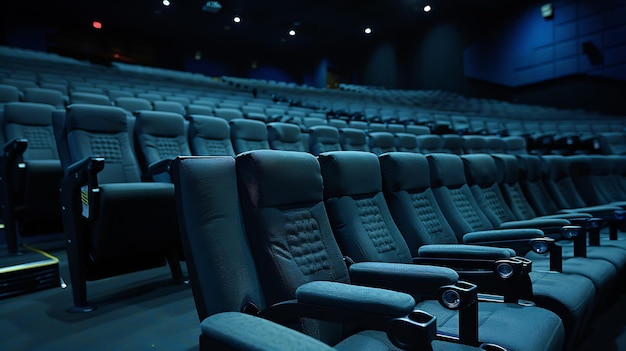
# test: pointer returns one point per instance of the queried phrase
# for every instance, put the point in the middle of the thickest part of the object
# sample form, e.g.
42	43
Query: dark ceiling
320	25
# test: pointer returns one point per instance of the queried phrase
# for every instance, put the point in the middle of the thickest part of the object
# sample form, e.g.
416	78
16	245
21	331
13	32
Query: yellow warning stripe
51	261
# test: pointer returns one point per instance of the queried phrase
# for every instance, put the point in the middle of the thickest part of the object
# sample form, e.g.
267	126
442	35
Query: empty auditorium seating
323	139
285	136
228	285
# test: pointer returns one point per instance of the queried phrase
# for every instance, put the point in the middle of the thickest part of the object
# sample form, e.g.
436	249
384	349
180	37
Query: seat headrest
28	113
347	173
508	168
480	169
404	171
248	129
274	178
446	170
324	133
382	140
96	118
581	166
285	132
353	136
210	127
160	123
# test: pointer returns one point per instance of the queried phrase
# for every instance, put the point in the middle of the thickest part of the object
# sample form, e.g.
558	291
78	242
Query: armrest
15	147
362	307
465	252
495	270
240	331
410	278
82	177
86	167
538	223
520	240
158	167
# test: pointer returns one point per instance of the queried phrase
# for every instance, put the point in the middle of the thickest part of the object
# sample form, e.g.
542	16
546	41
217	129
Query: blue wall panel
531	49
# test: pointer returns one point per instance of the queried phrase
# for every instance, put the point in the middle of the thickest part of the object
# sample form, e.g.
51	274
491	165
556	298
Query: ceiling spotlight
237	19
292	32
212	6
166	2
368	30
96	24
427	8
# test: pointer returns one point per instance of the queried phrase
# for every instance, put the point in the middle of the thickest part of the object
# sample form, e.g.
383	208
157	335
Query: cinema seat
114	223
30	173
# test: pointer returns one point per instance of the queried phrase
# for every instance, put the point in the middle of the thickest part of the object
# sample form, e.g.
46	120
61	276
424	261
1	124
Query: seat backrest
169	106
44	96
454	196
222	273
452	143
508	167
495	144
32	121
150	96
560	184
209	136
407	142
248	134
353	139
228	113
324	139
92	130
593	177
429	143
160	136
381	142
287	226
358	213
481	175
285	136
473	144
193	109
417	130
532	183
89	98
9	93
515	145
412	202
132	104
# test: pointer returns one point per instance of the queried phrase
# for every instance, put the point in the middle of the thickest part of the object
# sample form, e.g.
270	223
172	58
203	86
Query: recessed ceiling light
368	30
427	8
292	32
237	19
166	3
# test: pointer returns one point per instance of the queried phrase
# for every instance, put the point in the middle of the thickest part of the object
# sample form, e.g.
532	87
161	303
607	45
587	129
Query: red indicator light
97	25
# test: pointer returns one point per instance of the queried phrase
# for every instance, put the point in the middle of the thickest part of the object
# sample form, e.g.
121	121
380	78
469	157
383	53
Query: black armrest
82	177
363	307
240	331
520	240
88	166
465	252
416	280
495	270
15	147
158	167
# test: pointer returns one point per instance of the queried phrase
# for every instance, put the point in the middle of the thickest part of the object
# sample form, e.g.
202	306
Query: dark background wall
515	55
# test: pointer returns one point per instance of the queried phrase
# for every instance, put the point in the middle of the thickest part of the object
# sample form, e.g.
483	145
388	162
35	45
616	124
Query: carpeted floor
145	311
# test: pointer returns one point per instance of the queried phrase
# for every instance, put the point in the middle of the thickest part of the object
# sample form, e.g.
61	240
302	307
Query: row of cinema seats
280	222
543	137
100	179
